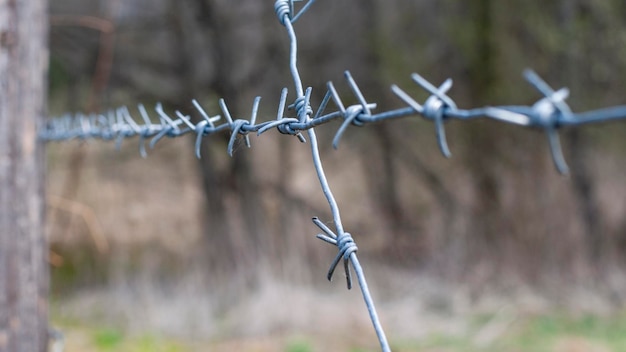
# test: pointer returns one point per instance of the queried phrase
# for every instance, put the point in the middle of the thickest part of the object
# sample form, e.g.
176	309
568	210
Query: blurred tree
99	82
380	164
213	23
23	250
582	180
483	138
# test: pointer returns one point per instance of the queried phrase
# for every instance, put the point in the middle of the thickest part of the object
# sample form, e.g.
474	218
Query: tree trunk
583	186
226	246
380	168
23	270
483	139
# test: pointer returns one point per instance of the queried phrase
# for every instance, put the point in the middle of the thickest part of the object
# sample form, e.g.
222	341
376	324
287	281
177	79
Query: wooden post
23	248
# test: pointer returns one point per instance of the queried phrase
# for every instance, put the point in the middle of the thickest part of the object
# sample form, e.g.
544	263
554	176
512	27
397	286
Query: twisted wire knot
283	11
353	113
303	107
433	108
550	109
285	127
346	245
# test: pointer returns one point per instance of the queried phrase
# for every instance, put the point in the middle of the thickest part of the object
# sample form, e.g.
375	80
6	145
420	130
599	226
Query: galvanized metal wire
549	113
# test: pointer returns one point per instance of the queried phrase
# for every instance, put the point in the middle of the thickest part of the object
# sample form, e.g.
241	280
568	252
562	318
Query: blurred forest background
225	246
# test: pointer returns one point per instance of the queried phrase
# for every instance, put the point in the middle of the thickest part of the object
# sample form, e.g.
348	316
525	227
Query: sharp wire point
441	137
407	99
224	108
557	152
335	96
357	92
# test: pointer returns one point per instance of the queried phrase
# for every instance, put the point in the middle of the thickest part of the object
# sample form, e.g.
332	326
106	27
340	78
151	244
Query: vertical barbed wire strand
344	242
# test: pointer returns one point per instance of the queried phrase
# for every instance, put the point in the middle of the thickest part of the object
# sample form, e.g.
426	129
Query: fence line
549	113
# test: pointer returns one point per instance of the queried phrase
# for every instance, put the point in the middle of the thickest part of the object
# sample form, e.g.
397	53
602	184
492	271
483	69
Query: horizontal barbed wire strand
549	113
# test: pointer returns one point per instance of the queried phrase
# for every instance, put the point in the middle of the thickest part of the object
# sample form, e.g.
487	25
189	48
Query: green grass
112	340
538	333
108	339
542	333
299	345
80	337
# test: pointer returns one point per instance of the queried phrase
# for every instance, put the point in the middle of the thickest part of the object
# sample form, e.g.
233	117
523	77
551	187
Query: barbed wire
549	113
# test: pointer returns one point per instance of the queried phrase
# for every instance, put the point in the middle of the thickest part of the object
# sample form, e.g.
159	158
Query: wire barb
549	113
344	243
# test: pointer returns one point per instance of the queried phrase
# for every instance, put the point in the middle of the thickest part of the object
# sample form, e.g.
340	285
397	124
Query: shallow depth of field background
491	250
